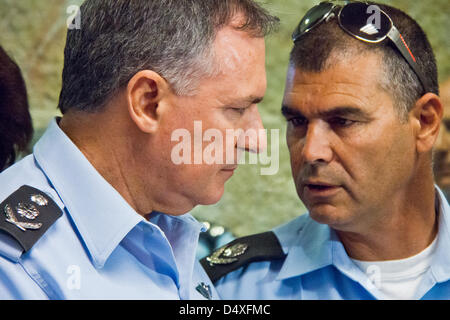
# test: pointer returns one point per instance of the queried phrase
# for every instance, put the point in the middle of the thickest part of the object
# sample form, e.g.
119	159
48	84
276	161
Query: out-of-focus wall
33	32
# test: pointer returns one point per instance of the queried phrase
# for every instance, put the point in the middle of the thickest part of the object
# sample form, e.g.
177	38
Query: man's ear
144	93
427	114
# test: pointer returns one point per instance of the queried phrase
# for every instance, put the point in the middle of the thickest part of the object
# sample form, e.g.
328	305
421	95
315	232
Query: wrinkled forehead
350	65
358	77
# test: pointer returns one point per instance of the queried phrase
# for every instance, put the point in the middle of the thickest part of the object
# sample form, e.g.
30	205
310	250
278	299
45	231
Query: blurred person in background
16	128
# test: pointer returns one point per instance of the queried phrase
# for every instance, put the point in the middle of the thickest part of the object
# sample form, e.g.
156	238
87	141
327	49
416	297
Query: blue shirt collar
307	245
441	260
311	246
84	191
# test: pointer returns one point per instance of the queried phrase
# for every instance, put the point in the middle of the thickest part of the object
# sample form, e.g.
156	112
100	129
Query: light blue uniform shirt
317	266
100	248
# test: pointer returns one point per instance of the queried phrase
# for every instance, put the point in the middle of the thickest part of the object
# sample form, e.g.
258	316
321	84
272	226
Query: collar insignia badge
26	210
29	212
205	290
39	199
227	254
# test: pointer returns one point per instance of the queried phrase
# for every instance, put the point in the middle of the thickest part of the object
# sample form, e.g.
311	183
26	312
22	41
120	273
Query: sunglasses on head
363	21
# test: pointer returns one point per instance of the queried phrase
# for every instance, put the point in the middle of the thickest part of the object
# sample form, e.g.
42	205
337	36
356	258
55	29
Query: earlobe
427	113
145	91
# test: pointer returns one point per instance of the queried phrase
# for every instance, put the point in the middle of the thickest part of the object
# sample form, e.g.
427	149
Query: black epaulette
27	214
259	247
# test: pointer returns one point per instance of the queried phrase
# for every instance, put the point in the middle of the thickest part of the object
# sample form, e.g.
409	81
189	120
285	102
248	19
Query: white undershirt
399	279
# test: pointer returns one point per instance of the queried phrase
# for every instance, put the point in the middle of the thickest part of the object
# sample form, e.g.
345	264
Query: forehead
354	80
240	64
235	50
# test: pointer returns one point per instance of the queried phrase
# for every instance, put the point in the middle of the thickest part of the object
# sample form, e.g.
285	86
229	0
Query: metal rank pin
39	199
227	254
205	290
26	210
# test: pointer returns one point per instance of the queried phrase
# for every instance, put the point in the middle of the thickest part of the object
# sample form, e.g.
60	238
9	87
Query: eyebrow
288	111
247	101
343	111
255	100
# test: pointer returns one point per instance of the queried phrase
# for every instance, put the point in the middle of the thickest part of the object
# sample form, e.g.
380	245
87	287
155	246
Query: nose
317	147
253	138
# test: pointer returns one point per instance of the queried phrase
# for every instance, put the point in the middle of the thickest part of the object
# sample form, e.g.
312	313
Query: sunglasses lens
311	18
365	21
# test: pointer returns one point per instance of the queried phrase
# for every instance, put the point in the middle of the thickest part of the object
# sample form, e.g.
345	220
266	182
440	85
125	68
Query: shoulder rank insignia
227	254
27	214
242	251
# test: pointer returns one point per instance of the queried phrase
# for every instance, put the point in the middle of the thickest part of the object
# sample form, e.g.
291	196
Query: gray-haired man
83	214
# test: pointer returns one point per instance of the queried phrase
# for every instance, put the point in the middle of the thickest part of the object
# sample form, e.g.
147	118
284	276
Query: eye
239	110
341	122
298	122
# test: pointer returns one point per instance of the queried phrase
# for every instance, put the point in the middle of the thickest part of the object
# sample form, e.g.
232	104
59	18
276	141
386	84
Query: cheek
194	181
295	151
384	162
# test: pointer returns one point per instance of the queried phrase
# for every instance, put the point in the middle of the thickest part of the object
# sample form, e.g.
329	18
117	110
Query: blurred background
33	33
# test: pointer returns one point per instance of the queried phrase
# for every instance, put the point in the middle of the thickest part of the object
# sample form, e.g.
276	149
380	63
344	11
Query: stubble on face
351	158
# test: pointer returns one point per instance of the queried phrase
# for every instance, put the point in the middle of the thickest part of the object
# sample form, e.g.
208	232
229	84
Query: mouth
320	189
318	184
228	171
230	168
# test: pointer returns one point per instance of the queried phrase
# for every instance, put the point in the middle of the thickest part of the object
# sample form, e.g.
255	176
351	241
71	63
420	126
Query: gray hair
174	38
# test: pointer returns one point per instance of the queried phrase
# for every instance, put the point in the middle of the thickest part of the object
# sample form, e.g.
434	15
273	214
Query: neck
408	225
101	141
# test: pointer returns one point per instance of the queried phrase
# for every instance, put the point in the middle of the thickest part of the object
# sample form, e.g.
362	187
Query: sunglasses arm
401	45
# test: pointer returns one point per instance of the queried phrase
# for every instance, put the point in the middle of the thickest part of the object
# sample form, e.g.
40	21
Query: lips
319	184
230	168
318	187
228	171
314	189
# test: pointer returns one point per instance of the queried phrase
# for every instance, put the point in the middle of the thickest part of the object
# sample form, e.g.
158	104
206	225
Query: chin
211	199
183	202
206	196
328	214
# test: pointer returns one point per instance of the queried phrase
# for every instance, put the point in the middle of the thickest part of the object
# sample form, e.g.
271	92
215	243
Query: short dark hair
312	52
16	127
119	38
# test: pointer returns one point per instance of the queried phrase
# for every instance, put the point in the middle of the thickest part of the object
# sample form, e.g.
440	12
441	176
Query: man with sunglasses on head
363	113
